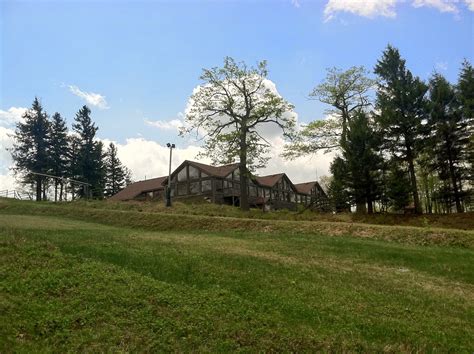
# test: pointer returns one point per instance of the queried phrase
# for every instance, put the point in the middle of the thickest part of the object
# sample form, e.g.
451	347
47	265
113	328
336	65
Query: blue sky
143	58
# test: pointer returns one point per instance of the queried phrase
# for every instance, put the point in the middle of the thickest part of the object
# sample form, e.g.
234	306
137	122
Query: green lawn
68	284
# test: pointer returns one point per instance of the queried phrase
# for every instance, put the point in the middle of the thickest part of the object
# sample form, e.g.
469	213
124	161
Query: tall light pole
168	189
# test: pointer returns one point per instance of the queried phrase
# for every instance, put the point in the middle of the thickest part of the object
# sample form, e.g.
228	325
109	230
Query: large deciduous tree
347	94
401	108
30	150
230	109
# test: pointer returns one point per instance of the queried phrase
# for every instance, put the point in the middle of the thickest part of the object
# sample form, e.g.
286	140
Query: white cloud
441	5
7	180
149	158
12	116
365	8
387	8
441	66
470	4
94	99
296	3
173	124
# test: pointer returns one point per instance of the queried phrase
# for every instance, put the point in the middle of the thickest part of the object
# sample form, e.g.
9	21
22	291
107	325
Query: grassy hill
127	277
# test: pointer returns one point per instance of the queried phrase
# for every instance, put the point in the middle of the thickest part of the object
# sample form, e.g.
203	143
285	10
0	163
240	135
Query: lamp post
168	189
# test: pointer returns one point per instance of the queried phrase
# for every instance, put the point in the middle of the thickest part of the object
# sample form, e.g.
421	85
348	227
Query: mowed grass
67	283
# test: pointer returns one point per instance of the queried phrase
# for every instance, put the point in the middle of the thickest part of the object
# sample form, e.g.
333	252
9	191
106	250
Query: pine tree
465	93
398	187
401	107
59	152
363	163
116	174
30	150
88	162
338	190
449	137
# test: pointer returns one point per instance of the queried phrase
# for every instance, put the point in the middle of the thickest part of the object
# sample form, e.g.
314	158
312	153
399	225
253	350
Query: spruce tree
87	164
116	174
398	186
449	137
338	190
30	150
401	108
59	152
363	163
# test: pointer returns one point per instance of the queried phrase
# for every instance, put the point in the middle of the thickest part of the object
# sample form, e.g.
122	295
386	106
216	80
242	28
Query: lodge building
221	184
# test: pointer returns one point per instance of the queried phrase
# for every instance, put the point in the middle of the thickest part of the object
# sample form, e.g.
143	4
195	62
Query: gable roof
135	189
214	171
270	180
305	188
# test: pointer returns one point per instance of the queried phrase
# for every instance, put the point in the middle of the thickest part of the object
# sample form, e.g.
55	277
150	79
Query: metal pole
168	189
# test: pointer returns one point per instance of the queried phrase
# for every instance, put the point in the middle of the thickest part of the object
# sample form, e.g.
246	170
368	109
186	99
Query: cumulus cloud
387	8
441	5
11	116
173	124
7	180
94	99
366	8
470	4
146	158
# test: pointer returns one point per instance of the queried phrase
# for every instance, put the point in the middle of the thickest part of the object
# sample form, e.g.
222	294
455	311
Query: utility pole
168	189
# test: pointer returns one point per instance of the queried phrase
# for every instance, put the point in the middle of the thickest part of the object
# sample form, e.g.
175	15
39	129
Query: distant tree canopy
45	146
415	133
230	109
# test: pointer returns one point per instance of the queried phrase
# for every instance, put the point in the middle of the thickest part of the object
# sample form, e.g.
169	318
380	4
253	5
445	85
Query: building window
182	176
206	185
182	189
193	172
194	187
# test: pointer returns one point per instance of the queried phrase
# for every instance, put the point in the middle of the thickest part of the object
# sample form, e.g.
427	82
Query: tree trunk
55	190
414	186
61	192
361	208
244	197
38	188
457	198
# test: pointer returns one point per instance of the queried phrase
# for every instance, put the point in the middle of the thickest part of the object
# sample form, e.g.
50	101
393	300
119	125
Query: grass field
103	277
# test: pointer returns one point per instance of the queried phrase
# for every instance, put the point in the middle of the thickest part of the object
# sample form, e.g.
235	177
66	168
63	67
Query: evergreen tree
398	187
401	107
116	174
363	163
449	137
338	190
30	150
87	165
59	152
465	93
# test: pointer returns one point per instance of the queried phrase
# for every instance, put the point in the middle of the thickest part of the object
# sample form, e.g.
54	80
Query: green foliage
115	173
401	108
398	187
230	109
338	191
449	138
30	149
59	150
88	164
362	160
347	93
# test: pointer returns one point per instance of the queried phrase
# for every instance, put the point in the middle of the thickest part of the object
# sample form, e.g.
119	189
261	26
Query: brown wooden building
221	184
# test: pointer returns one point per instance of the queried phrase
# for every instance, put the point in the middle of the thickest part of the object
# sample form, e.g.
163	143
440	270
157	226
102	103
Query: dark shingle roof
215	171
135	189
270	180
305	188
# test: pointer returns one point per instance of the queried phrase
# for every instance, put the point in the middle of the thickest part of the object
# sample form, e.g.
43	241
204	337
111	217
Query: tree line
401	143
44	146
